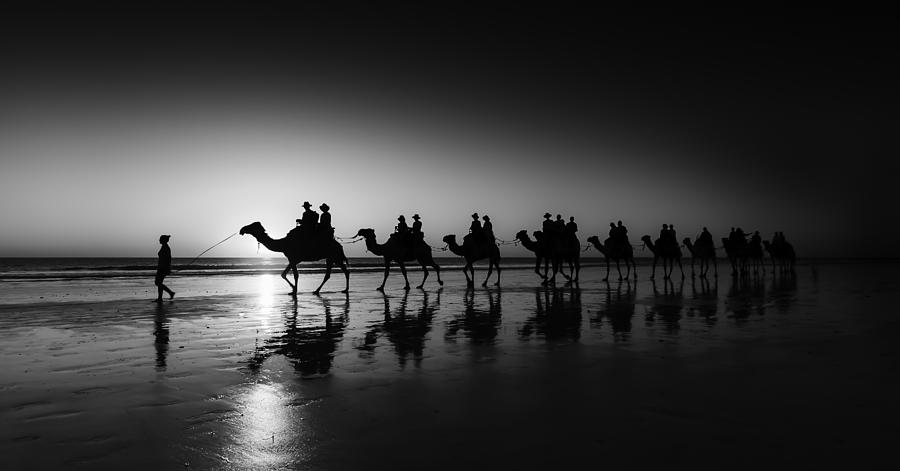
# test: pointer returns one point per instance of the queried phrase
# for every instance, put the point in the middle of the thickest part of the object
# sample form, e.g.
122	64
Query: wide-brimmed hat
475	215
324	207
415	216
164	237
306	204
546	215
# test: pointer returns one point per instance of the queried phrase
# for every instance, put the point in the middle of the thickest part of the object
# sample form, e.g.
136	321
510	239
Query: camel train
554	249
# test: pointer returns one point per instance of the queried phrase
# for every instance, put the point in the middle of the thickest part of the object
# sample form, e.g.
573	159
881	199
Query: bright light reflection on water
268	427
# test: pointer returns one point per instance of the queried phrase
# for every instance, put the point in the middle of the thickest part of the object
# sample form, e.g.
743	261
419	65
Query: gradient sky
117	126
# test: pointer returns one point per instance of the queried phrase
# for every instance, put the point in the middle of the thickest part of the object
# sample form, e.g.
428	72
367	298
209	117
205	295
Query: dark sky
123	124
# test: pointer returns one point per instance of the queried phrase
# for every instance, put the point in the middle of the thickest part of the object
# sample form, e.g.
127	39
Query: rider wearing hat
309	219
417	228
488	229
325	219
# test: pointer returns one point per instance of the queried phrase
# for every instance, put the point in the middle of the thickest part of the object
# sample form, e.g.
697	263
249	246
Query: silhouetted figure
417	228
475	226
488	229
571	226
560	225
622	233
556	316
703	250
325	220
613	232
308	220
547	226
705	237
163	268
476	232
664	232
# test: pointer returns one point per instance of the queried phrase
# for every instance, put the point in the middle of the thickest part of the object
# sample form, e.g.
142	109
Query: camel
610	250
668	251
297	250
783	255
560	251
704	253
736	256
472	253
539	253
395	250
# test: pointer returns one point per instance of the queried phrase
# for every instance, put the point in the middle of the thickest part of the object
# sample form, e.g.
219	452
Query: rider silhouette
417	228
309	219
547	226
622	233
488	229
325	219
571	226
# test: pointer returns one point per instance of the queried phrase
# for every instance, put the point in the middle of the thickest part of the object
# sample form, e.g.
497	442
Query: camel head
522	235
686	241
538	235
449	239
594	240
646	239
253	229
365	233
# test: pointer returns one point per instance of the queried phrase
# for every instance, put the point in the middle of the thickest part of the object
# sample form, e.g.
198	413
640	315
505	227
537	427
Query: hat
486	217
306	204
415	216
475	215
546	215
324	207
401	218
164	237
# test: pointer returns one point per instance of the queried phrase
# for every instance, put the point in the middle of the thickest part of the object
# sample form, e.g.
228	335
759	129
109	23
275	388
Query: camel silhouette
668	251
783	256
611	250
539	253
473	252
559	251
394	250
297	249
736	256
704	253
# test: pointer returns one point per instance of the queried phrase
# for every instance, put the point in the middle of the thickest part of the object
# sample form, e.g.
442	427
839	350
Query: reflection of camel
307	344
669	304
611	250
407	333
783	255
618	310
473	252
706	299
555	317
668	252
746	296
703	252
297	250
396	251
479	326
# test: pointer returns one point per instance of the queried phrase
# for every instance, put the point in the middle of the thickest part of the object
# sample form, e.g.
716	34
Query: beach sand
235	374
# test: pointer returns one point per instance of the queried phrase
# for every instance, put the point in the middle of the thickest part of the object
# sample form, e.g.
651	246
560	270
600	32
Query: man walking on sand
163	268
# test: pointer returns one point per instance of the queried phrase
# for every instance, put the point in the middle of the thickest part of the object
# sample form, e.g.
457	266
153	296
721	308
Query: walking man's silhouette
163	268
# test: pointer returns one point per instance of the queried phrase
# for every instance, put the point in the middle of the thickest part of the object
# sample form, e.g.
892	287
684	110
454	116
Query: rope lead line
207	250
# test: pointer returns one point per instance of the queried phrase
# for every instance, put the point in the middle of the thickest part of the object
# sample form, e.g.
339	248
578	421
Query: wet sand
796	370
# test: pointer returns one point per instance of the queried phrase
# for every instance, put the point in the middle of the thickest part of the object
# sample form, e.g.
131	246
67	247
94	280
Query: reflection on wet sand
746	297
306	342
667	305
618	309
407	333
161	336
480	326
705	299
557	315
783	292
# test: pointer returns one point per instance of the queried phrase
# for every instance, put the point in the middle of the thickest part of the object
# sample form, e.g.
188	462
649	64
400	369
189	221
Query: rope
207	250
346	238
351	242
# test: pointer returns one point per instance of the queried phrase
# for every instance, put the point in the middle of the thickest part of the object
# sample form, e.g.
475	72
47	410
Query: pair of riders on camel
312	225
480	233
406	235
557	230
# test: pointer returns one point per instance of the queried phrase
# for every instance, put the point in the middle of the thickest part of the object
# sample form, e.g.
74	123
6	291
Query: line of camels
554	255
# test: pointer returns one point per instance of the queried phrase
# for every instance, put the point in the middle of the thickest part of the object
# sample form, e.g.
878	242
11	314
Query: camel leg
405	278
497	263
537	268
437	271
653	272
715	266
469	282
490	271
387	269
633	267
618	269
327	276
692	267
285	278
577	270
424	276
346	270
606	278
680	267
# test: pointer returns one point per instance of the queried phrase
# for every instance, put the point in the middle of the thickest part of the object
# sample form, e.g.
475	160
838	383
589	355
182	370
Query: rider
571	226
488	229
401	227
622	234
417	228
756	240
309	219
325	219
560	225
705	238
613	232
547	226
